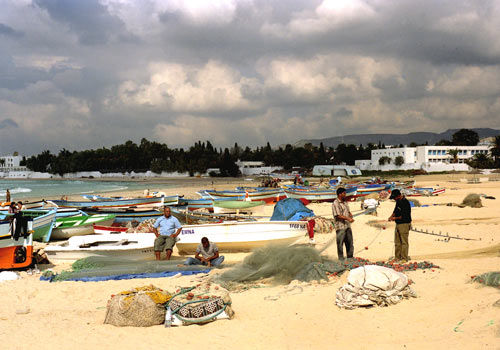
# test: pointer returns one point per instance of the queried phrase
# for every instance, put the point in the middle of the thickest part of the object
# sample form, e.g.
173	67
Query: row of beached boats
91	226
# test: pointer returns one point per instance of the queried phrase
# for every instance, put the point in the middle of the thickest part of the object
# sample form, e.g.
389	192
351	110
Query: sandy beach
448	312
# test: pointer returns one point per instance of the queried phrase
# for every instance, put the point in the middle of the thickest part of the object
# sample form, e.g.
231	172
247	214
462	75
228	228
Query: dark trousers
344	237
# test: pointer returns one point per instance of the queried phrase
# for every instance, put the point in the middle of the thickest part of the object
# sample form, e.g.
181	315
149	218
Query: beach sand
449	311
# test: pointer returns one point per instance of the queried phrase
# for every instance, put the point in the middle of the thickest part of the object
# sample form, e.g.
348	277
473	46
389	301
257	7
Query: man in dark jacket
402	216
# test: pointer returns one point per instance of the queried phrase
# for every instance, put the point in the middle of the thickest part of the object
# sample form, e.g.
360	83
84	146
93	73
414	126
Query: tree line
198	158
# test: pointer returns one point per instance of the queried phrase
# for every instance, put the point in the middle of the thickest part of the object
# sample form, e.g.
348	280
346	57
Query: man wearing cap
343	219
402	216
169	229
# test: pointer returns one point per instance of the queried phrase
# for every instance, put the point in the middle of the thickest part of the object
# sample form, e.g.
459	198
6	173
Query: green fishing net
96	266
491	279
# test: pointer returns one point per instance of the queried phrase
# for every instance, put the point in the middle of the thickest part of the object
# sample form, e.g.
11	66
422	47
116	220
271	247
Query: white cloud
177	87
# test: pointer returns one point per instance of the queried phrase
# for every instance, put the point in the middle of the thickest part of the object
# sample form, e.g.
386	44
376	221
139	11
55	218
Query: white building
10	167
428	158
335	170
256	168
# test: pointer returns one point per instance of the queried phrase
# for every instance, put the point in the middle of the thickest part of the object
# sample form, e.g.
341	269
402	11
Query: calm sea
51	189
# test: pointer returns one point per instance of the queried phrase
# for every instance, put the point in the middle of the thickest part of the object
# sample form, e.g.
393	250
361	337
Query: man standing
402	216
343	219
170	228
207	253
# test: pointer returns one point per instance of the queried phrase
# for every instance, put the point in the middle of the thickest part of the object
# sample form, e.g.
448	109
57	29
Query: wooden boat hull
123	216
312	196
241	236
118	203
139	247
15	254
268	196
81	227
101	229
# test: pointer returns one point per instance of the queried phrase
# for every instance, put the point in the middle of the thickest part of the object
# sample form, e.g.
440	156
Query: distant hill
394	139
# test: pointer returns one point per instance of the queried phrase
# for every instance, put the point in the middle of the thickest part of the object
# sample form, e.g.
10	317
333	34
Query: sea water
54	189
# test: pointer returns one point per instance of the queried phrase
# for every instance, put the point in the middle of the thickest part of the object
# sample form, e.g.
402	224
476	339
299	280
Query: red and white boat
15	254
102	230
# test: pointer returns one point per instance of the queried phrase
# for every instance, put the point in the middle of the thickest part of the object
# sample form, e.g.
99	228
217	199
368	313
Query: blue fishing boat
118	203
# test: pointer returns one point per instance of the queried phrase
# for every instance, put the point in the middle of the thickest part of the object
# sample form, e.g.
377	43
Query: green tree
465	137
495	151
2	162
384	160
481	161
443	142
399	160
454	155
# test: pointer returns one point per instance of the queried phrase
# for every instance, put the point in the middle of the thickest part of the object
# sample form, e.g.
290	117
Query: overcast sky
88	73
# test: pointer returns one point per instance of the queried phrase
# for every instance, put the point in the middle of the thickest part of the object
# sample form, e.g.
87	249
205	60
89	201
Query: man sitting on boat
207	253
169	229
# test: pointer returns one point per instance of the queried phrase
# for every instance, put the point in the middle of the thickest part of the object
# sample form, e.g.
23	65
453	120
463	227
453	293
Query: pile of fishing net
144	226
322	225
138	307
96	268
282	264
491	279
472	200
203	303
373	285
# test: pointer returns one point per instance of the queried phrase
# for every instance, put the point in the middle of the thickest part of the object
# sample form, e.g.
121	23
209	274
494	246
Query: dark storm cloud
90	20
96	73
8	31
8	123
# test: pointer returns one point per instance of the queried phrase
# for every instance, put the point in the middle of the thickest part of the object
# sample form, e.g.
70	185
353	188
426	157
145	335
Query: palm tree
454	154
495	151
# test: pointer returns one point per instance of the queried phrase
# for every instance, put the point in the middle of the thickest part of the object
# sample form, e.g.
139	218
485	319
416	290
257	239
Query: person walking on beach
169	229
7	196
343	219
207	253
402	216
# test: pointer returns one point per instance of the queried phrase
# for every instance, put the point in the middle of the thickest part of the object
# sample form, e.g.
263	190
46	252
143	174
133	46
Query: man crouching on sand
170	228
207	253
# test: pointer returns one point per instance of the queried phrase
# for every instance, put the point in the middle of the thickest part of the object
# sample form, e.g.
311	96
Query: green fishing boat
66	227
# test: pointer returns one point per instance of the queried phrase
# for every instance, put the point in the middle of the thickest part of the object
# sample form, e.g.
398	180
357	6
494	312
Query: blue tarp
127	276
290	209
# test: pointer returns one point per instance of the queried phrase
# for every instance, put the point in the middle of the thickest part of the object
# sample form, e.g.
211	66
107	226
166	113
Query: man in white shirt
207	253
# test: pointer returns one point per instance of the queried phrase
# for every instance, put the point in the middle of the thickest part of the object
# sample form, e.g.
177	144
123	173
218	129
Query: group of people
344	218
167	228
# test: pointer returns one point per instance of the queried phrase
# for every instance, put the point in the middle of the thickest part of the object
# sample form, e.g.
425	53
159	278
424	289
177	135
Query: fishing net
472	200
278	263
282	264
491	279
96	268
138	307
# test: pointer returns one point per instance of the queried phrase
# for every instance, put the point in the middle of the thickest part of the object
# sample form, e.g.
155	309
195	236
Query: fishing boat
125	215
118	203
67	227
196	204
312	195
102	230
229	206
241	236
132	246
43	221
267	195
18	253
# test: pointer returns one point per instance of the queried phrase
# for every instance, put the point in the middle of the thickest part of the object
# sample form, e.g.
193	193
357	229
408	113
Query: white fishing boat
241	236
132	246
